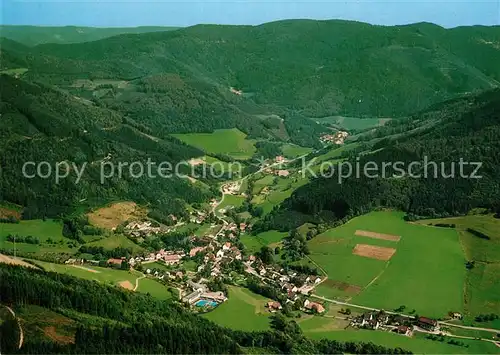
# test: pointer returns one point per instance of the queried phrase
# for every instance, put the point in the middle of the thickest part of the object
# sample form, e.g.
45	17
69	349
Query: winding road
137	281
21	333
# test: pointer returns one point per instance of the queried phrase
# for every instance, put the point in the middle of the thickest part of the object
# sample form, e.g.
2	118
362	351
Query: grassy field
154	288
292	151
352	123
335	153
43	230
115	241
110	276
254	243
35	227
231	200
105	275
406	278
243	310
417	344
230	142
218	167
279	192
482	284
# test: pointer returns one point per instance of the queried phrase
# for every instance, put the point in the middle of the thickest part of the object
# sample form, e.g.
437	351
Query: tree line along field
426	273
482	289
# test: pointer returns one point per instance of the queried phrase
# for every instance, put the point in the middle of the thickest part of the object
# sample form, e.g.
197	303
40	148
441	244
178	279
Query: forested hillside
122	97
110	321
40	123
318	68
463	129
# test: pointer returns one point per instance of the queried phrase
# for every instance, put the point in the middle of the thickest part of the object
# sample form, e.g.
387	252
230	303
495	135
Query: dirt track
374	252
14	261
392	238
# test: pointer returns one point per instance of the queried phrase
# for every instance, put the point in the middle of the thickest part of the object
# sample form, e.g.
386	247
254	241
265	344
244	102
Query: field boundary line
137	281
372	281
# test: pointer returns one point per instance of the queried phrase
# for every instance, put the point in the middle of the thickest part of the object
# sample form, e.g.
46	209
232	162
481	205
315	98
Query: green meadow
336	153
219	166
293	151
253	243
231	201
277	193
101	274
482	284
43	230
154	288
417	344
426	273
36	227
230	142
115	241
244	310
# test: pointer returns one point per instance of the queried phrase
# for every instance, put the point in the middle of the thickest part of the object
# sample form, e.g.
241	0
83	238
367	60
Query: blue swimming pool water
203	303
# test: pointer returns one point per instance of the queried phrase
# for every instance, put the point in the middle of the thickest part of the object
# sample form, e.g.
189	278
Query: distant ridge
34	35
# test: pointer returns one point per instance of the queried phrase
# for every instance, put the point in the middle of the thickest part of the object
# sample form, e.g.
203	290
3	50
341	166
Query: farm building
428	323
114	262
273	306
404	330
314	306
172	259
196	250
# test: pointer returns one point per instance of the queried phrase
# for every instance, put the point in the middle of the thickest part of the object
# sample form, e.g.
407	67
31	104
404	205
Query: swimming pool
203	303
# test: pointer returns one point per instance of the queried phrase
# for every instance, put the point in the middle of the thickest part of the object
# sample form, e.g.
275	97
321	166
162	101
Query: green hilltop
35	35
317	68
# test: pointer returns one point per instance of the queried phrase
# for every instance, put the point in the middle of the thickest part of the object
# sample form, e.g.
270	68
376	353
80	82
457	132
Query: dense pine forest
40	123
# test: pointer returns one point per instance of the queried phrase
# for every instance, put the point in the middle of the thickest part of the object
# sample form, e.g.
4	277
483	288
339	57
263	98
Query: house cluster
231	188
309	306
282	173
236	91
142	229
337	138
394	323
224	253
371	320
175	275
280	159
168	256
282	279
197	217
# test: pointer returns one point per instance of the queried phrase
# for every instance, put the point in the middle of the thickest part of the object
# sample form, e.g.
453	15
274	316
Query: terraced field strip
374	252
393	238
